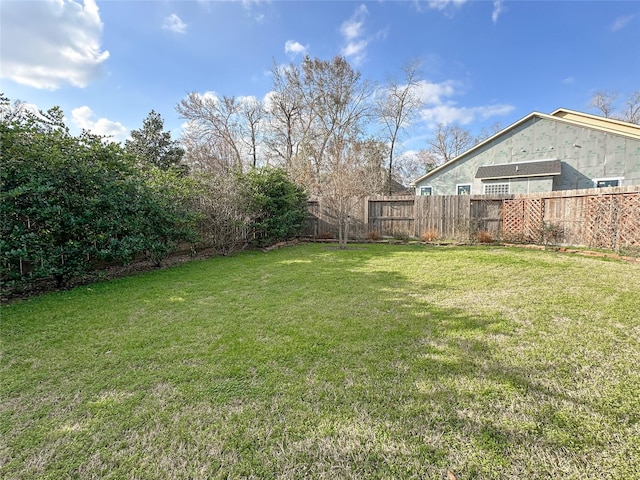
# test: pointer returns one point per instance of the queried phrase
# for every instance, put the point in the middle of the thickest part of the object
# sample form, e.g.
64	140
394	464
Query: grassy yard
378	361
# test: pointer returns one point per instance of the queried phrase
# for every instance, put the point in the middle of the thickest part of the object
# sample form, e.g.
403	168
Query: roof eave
520	176
479	145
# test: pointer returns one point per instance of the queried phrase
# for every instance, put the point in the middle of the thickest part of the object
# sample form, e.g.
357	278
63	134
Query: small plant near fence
373	236
430	235
485	236
468	231
552	233
401	236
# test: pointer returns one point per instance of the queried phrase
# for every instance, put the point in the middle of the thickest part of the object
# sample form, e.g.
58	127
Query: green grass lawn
378	361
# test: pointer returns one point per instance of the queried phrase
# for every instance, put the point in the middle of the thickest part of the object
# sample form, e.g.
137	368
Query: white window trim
458	185
607	179
426	186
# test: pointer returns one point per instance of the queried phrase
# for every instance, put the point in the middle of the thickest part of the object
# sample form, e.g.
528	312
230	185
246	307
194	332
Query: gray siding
585	153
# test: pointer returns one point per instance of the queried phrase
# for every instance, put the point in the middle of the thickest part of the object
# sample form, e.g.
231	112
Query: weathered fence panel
391	215
567	214
486	214
604	217
323	221
448	215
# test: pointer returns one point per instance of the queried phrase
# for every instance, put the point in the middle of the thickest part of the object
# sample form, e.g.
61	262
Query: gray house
565	150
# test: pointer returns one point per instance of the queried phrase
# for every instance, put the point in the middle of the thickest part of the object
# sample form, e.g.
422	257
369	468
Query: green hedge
67	201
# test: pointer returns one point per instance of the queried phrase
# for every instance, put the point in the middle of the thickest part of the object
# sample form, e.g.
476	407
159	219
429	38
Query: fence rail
604	217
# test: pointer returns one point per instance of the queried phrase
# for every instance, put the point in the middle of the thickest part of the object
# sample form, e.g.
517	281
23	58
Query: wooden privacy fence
602	217
605	217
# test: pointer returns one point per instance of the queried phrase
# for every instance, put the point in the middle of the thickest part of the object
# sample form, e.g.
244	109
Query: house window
464	189
606	182
426	191
496	189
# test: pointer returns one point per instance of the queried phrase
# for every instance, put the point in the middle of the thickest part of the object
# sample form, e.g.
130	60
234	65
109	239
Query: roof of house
541	168
563	115
395	187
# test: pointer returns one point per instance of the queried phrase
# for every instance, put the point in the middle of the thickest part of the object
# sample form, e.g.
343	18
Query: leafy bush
278	205
69	201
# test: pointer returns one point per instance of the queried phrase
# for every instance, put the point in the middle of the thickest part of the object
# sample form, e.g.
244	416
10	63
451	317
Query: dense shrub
68	201
277	205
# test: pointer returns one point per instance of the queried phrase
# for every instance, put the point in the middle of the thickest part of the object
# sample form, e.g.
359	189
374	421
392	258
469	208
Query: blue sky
107	64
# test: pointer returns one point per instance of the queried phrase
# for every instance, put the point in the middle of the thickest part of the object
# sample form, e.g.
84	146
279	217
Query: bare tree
333	110
214	126
397	108
20	111
604	102
416	164
631	112
488	132
448	142
222	207
288	116
10	112
252	113
358	174
212	156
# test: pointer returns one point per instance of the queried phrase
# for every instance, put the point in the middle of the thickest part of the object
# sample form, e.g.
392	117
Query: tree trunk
346	230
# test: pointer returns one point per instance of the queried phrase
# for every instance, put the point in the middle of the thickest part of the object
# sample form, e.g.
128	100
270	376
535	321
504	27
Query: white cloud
439	4
250	7
248	100
488	111
442	4
47	44
293	48
355	50
352	28
439	108
433	93
210	95
621	22
497	10
83	118
450	114
354	35
269	99
175	24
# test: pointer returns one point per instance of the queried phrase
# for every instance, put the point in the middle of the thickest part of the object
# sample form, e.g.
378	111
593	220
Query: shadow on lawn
465	388
380	378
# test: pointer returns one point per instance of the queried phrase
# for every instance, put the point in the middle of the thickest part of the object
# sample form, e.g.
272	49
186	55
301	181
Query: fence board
391	216
604	217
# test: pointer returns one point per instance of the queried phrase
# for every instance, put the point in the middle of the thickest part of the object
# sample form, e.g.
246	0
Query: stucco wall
585	154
